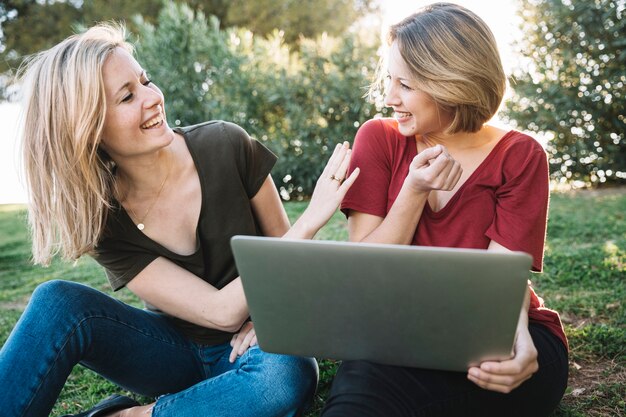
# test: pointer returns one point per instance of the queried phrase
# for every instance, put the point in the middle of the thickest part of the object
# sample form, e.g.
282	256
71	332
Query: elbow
231	325
228	319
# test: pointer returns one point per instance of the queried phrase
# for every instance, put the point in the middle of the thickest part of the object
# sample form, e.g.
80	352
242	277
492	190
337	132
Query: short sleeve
254	161
370	153
121	260
520	218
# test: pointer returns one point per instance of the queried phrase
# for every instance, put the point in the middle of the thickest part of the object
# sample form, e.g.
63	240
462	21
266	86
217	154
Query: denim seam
162	404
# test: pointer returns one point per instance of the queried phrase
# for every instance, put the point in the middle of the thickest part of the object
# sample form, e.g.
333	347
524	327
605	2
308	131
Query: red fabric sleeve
371	152
520	219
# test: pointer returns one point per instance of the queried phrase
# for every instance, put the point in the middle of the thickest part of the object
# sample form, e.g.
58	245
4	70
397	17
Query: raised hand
330	188
434	169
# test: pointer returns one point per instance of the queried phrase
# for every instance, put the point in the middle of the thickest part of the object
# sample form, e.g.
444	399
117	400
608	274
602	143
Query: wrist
303	228
415	192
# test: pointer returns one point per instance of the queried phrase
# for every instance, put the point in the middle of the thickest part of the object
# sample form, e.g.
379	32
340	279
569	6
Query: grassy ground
584	278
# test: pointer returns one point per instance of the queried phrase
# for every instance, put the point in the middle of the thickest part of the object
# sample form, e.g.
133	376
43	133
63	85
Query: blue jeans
67	323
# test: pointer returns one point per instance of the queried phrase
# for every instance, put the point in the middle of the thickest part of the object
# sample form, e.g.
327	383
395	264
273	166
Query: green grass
584	279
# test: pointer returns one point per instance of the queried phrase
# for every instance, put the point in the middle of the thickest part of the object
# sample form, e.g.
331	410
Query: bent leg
66	323
257	384
367	389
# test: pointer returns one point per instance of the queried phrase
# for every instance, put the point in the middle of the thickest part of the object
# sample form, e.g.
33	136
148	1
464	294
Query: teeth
152	122
401	114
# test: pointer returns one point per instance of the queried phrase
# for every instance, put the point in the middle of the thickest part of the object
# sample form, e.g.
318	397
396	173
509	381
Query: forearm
305	227
181	294
231	308
399	226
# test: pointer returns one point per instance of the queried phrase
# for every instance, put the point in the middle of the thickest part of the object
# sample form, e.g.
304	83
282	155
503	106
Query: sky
499	16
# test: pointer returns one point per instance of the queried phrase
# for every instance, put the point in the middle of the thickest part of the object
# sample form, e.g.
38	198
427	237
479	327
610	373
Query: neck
144	176
457	141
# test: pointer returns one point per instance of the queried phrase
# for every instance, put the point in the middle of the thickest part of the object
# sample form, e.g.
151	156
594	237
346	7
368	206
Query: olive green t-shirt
232	167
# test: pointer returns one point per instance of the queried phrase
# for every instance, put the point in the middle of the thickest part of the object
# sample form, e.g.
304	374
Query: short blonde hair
454	58
69	177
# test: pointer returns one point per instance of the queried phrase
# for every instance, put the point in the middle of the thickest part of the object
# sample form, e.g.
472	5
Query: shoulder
382	127
214	134
519	153
213	128
515	141
379	133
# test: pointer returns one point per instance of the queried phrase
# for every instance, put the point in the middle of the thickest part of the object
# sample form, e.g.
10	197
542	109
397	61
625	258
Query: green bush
299	103
570	86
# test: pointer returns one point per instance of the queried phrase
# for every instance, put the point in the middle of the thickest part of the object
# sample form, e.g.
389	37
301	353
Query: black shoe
110	404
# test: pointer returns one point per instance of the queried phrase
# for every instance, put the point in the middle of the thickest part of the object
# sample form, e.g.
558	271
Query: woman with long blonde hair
156	207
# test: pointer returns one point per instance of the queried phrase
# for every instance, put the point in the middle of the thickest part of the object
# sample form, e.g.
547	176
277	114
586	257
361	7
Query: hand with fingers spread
505	376
330	188
434	169
241	341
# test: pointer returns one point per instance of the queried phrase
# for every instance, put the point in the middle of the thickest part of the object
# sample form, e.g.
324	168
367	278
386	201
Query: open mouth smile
154	122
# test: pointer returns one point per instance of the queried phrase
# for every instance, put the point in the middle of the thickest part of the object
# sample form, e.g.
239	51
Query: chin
407	131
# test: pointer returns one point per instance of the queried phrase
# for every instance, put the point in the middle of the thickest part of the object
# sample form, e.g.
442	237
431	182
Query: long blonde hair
69	177
453	56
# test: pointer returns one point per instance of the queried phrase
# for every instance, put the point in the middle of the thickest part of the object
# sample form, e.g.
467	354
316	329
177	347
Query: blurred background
294	73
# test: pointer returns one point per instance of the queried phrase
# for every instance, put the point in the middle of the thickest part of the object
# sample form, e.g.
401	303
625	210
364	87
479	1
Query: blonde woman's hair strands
69	178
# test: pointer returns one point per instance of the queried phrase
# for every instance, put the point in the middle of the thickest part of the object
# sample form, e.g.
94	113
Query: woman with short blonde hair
156	207
436	174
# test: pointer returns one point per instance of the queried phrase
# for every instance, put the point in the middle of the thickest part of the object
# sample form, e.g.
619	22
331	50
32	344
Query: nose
391	97
152	96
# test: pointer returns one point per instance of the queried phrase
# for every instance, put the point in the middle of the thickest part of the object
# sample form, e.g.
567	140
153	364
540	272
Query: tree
37	28
299	102
27	26
572	86
307	18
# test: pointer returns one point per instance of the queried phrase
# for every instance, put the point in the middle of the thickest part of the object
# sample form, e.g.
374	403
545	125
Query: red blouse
505	199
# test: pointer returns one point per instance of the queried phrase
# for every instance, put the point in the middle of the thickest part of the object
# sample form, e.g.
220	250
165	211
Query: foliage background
298	104
295	78
570	86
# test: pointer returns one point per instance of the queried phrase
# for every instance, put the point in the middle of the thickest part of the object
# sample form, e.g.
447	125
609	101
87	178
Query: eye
405	87
127	98
145	79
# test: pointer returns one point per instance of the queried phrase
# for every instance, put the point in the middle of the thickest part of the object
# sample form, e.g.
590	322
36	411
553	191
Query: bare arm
432	169
180	293
505	376
269	210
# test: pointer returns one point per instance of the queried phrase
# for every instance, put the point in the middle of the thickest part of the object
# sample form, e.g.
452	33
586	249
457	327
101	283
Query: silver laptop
436	308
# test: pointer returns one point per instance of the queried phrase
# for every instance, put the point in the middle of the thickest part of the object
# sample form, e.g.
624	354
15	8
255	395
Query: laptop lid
437	308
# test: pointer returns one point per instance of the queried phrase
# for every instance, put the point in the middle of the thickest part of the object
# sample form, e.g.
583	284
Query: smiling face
135	122
416	111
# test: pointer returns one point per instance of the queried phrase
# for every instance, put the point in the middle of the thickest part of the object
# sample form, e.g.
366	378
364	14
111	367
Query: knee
356	377
360	388
55	288
290	382
52	297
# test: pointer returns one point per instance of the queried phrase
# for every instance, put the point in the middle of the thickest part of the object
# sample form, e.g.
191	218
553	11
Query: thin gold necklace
141	225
